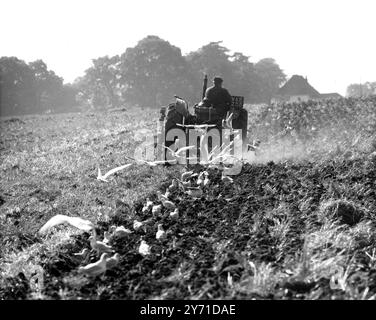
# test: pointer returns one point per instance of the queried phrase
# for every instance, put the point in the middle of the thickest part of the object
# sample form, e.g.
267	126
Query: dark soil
215	236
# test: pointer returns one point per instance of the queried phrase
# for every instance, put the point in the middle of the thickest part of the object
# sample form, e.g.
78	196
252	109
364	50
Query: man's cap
218	80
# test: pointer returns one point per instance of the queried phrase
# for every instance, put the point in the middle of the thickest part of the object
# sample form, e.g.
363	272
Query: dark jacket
220	98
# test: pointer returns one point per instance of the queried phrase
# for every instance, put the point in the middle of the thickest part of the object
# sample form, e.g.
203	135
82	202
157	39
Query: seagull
152	163
206	180
149	203
175	214
145	209
100	246
76	222
147	206
174	185
113	261
107	237
202	179
176	154
161	234
227	179
161	196
137	225
167	194
83	254
186	184
186	175
121	231
144	248
157	209
169	205
195	192
96	268
112	171
155	163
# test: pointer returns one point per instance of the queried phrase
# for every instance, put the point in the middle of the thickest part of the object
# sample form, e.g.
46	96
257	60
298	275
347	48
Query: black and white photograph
188	155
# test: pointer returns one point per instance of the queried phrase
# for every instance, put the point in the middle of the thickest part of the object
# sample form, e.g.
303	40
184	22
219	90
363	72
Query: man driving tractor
216	105
218	97
224	103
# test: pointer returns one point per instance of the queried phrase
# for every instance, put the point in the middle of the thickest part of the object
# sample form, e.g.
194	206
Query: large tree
17	87
257	83
48	86
32	88
247	82
212	59
271	77
361	90
101	82
153	72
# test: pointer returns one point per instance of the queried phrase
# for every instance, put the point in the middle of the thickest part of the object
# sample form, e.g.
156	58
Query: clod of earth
346	211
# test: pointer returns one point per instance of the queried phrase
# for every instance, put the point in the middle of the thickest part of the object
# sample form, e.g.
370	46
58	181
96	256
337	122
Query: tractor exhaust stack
205	86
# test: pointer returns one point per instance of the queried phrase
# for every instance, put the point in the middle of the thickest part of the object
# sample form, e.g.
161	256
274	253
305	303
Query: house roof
297	85
333	95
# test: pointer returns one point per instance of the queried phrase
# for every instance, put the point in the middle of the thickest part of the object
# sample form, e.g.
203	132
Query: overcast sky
332	42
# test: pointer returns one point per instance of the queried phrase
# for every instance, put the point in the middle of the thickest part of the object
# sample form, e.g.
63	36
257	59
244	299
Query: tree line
153	71
32	88
149	75
361	89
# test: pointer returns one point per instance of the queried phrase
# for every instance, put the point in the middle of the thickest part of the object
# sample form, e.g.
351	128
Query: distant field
56	158
49	166
298	224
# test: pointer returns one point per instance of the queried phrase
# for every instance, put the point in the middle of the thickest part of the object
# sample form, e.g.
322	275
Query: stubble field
299	223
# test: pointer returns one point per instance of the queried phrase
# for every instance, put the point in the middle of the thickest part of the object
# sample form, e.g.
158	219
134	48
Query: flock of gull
108	257
192	184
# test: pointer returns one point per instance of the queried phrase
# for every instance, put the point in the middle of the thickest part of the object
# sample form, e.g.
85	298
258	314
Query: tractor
178	115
